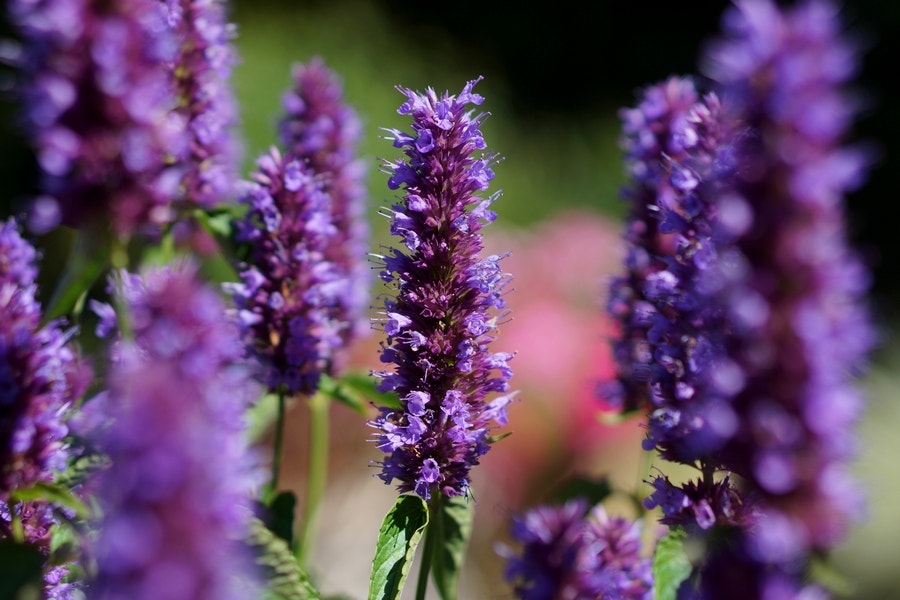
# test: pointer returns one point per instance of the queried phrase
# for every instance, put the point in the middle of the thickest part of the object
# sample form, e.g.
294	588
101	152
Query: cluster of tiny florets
448	299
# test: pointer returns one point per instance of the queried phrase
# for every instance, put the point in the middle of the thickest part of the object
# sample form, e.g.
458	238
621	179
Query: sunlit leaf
398	538
453	529
670	565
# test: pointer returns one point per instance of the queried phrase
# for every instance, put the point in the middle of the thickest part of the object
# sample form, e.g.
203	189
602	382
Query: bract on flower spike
443	315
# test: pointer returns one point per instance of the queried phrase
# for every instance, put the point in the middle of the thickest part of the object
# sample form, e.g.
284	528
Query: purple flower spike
41	377
320	129
799	332
444	314
202	71
289	300
176	498
568	552
98	108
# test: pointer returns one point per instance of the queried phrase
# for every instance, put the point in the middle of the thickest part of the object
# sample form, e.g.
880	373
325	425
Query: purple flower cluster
289	300
568	553
742	326
320	129
202	70
443	316
800	332
176	498
98	107
41	377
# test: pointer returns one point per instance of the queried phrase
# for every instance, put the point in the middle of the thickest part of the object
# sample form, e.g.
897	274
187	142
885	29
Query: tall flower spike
202	73
97	105
289	298
673	328
41	377
320	129
444	314
799	330
669	137
176	498
568	552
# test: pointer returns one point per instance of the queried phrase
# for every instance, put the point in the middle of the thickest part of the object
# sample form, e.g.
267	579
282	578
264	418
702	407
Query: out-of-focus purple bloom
202	72
799	332
671	330
443	316
320	129
289	299
750	323
568	553
41	377
176	497
98	107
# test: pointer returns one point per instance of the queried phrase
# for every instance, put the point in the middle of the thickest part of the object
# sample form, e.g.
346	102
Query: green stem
432	532
319	406
119	259
277	446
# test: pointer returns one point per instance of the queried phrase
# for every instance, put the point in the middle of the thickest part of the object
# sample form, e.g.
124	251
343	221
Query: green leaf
357	390
88	258
281	512
21	571
285	580
54	494
454	528
670	565
398	538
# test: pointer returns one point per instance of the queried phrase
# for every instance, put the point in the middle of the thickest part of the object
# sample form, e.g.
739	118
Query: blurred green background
555	76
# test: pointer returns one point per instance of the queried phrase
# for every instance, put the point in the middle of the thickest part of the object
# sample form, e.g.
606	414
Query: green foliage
670	565
452	526
88	258
285	580
398	538
21	571
357	390
53	494
281	516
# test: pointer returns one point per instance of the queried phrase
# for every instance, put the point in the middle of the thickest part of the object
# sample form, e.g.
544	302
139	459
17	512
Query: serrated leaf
285	580
53	494
670	565
400	534
453	525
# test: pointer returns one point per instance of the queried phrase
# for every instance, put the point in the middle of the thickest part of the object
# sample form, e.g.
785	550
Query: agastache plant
289	295
41	379
447	301
201	71
321	130
98	107
576	552
750	324
176	498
